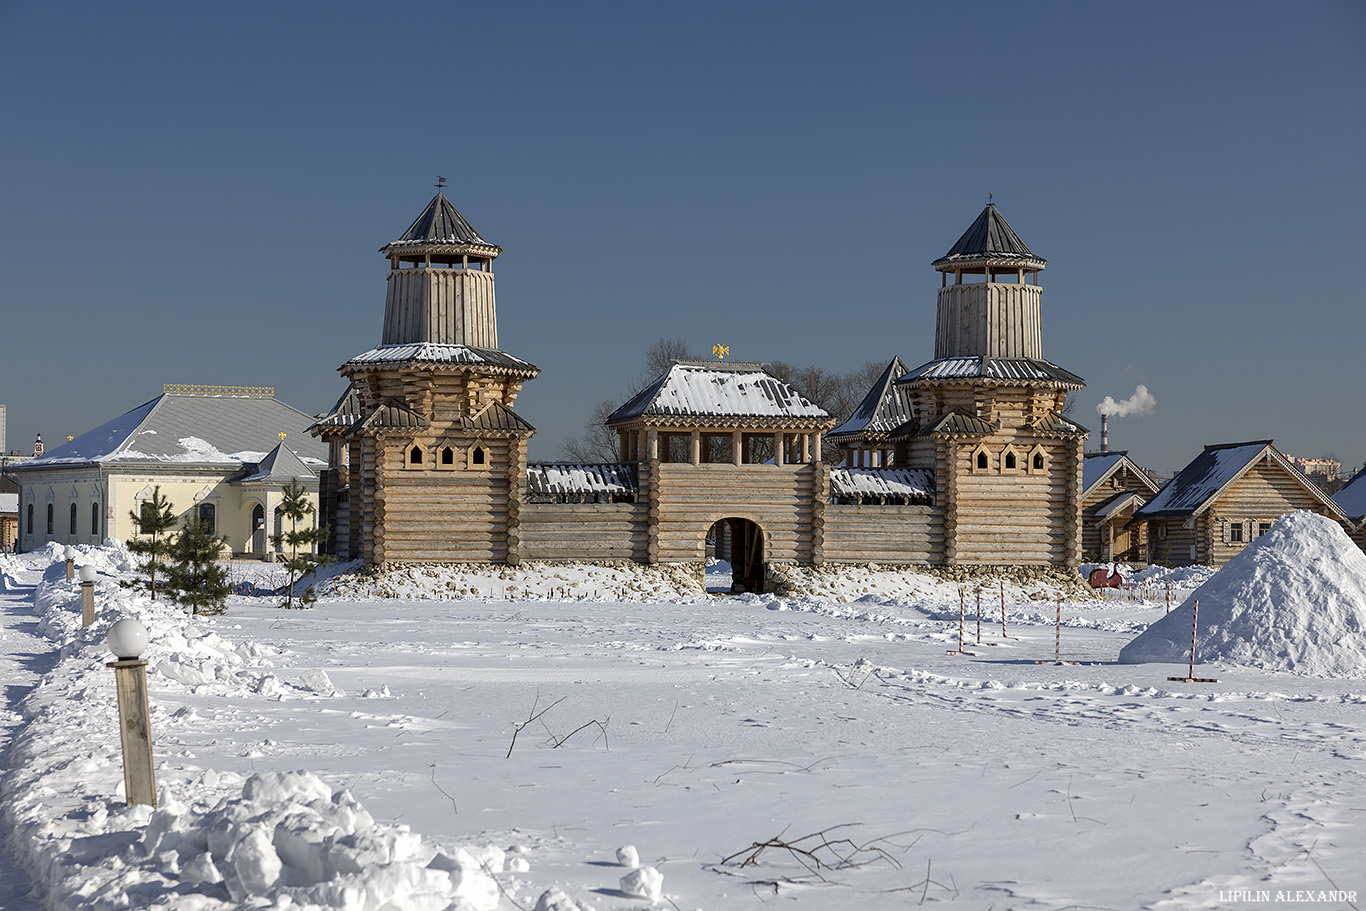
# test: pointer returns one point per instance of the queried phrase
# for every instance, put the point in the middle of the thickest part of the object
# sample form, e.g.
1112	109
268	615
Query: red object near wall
1102	578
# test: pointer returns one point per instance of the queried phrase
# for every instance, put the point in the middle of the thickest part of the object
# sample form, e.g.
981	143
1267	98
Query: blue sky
195	193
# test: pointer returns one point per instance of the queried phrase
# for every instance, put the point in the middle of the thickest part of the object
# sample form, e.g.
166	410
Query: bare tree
661	355
599	443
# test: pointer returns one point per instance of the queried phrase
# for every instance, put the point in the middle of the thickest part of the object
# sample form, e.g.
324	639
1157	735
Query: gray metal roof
955	423
343	414
1097	466
1002	370
497	418
1351	497
432	353
548	479
719	390
885	407
441	223
393	415
912	483
280	466
191	429
989	237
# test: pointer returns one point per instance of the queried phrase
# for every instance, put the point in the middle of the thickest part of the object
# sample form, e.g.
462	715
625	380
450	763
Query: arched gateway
740	543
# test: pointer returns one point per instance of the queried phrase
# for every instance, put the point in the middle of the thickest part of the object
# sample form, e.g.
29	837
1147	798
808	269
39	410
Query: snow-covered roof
9	503
1196	486
990	236
1004	370
1117	504
914	483
1351	497
432	353
1097	466
566	478
714	390
885	407
441	223
190	429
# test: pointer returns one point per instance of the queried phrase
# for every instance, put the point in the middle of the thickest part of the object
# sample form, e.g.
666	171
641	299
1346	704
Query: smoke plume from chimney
1140	403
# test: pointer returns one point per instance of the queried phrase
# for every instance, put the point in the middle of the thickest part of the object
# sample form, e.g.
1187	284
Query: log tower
988	410
428	459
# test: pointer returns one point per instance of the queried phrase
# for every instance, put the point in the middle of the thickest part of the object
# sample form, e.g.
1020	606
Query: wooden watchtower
988	410
428	459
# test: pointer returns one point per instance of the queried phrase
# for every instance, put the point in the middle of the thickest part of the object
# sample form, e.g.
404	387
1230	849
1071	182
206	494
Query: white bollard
128	640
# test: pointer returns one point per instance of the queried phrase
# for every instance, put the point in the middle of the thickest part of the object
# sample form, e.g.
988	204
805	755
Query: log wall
691	498
585	531
1262	495
884	534
1015	518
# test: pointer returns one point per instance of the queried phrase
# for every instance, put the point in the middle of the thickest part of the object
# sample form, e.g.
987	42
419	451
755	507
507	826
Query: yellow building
223	454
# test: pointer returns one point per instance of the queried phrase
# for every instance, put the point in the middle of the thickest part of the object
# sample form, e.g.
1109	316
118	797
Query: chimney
1104	433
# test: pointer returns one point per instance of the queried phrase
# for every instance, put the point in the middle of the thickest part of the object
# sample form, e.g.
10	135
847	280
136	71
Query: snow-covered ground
409	744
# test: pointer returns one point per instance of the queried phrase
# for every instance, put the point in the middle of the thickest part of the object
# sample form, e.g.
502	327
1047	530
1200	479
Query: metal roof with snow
1351	497
441	225
1200	483
885	407
280	466
910	483
431	354
1004	371
691	390
572	479
1096	467
989	239
190	429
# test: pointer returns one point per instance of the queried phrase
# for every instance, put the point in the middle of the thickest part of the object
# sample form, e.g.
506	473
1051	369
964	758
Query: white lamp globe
86	573
127	639
69	554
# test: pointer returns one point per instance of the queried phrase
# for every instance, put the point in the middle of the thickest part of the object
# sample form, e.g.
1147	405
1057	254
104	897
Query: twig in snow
533	716
671	717
454	808
556	743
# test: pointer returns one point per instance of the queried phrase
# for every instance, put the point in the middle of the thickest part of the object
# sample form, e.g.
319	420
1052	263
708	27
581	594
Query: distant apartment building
1325	469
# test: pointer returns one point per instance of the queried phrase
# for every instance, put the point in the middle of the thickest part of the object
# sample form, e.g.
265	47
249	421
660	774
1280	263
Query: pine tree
295	507
154	520
195	578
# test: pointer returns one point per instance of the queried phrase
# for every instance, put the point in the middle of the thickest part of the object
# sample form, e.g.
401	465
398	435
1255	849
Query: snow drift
1293	600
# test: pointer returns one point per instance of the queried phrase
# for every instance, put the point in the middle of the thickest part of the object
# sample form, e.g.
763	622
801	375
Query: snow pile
1293	600
217	841
623	581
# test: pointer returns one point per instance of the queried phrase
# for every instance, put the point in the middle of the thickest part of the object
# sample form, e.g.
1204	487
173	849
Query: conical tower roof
989	240
441	229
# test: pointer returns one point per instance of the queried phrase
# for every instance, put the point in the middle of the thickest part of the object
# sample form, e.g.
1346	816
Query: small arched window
30	518
208	516
1038	461
49	518
73	519
478	457
95	519
447	456
415	456
1010	461
982	461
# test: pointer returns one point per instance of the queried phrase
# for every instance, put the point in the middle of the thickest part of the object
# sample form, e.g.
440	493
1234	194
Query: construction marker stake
962	620
1191	678
1004	634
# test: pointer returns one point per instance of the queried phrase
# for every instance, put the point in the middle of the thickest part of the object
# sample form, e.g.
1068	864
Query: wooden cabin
1113	487
1227	497
1351	499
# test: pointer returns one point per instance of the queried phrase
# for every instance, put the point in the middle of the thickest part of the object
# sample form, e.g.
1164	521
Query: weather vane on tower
440	182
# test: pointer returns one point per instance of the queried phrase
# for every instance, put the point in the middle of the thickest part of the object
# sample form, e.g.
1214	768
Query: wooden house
1227	496
1113	487
1351	499
220	454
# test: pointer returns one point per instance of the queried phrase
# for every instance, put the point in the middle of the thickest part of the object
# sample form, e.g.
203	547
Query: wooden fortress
966	459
